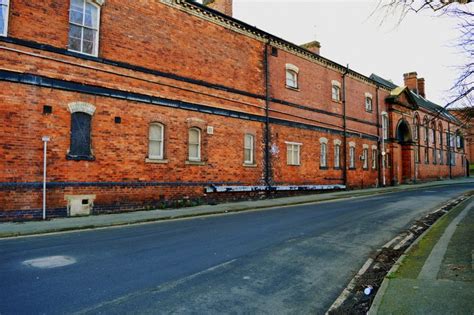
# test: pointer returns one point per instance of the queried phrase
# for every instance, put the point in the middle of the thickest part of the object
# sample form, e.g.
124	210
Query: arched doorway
405	141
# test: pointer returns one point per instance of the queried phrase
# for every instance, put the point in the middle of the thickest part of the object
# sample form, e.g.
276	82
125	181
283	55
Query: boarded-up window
80	136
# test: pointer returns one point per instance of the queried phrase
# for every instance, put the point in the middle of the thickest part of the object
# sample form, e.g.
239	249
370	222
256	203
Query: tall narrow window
291	76
368	102
351	157
84	27
336	91
155	141
337	156
417	155
80	136
4	5
365	156
293	153
81	123
427	155
194	144
416	128
374	159
324	153
425	125
385	126
249	149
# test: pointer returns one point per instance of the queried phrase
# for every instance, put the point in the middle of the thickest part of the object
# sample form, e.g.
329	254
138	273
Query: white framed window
385	126
4	12
337	156
293	151
291	76
323	161
416	127
351	157
194	144
336	91
84	20
249	149
417	155
374	158
365	157
368	102
155	141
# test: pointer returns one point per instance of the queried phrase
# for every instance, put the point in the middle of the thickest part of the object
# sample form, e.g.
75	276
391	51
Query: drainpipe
267	119
344	125
45	149
379	156
449	151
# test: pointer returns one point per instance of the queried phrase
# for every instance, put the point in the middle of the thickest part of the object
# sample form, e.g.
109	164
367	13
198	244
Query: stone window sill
292	88
156	161
198	163
249	165
80	157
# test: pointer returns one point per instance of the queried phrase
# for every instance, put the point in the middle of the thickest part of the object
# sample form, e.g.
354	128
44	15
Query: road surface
278	261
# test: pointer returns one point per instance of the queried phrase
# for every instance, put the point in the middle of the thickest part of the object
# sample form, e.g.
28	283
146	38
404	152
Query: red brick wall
175	42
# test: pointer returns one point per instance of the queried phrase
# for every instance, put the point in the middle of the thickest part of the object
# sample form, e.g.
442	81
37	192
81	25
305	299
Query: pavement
120	219
436	274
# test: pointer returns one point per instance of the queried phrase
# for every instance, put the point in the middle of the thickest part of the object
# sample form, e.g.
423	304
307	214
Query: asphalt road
284	260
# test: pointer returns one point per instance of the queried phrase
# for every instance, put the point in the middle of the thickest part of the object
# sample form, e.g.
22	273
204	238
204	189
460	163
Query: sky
348	34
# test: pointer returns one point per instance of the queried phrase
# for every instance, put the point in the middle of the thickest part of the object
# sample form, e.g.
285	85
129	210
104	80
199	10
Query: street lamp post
45	148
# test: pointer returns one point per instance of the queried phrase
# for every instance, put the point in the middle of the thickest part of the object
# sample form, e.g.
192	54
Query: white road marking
50	262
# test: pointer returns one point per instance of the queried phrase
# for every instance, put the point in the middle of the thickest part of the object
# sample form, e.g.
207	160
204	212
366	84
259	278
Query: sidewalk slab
449	288
78	223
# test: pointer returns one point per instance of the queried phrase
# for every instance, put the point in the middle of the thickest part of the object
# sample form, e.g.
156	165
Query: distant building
169	102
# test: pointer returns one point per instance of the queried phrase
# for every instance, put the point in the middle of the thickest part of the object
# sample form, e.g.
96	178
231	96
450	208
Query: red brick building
168	102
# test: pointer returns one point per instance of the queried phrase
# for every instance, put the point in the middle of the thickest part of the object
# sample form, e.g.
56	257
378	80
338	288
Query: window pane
3	15
296	155
76	12
248	155
193	151
156	132
193	136
75	32
74	44
248	141
155	149
91	19
88	47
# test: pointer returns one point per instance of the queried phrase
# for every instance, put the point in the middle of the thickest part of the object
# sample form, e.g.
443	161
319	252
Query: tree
463	10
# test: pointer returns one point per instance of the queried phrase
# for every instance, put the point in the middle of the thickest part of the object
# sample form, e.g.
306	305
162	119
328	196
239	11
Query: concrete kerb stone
383	287
265	204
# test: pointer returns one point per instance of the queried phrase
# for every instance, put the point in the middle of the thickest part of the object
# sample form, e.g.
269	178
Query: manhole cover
50	262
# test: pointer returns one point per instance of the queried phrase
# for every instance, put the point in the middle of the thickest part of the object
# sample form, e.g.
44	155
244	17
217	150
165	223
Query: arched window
336	91
352	155
81	123
337	154
365	157
292	76
323	159
385	126
416	128
84	16
156	141
4	6
368	102
194	144
426	127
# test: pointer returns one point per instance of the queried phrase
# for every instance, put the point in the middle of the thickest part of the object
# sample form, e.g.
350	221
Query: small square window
47	109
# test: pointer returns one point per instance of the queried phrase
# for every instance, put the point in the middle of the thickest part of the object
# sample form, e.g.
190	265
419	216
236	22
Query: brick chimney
223	6
421	87
313	46
411	81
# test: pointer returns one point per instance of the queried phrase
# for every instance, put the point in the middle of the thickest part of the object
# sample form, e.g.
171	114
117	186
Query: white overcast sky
348	35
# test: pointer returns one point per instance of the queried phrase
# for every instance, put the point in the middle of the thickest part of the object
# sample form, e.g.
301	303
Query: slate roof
419	100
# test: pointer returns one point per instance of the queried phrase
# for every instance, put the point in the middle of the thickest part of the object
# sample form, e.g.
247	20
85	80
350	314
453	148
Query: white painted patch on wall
50	262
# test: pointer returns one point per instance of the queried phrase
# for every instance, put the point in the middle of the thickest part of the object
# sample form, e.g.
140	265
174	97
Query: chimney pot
411	81
223	6
314	47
